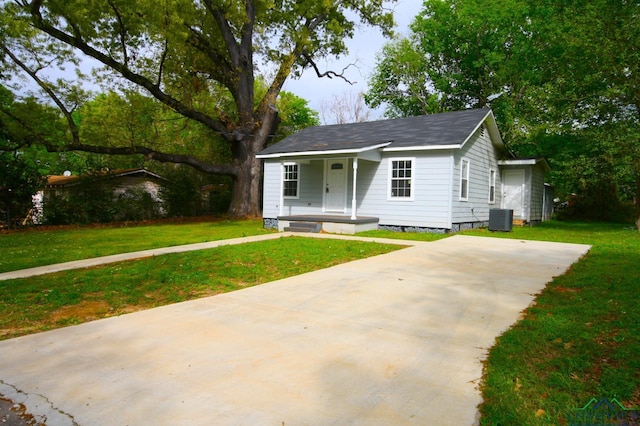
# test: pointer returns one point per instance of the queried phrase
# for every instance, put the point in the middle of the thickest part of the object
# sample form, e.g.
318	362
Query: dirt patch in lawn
87	310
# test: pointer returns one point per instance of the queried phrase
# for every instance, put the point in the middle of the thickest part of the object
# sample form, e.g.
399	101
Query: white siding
271	189
537	194
310	196
430	186
482	156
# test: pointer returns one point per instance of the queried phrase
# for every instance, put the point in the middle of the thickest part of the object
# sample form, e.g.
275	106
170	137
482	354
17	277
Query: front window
464	180
401	178
492	186
290	180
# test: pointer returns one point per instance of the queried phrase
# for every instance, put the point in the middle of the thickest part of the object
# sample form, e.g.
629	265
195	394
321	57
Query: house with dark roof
437	173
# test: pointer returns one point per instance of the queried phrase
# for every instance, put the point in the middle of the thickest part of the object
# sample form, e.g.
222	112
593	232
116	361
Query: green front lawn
55	300
33	248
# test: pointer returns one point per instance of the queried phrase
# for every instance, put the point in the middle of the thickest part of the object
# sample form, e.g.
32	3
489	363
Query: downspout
281	211
355	181
544	203
452	168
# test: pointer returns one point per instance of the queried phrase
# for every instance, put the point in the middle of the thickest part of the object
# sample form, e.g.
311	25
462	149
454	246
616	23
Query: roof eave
492	128
321	153
526	162
422	148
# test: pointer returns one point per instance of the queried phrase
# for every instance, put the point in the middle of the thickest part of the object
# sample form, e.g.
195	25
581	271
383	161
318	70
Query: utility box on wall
500	220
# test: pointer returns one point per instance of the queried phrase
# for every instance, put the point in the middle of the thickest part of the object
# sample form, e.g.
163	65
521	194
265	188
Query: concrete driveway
394	339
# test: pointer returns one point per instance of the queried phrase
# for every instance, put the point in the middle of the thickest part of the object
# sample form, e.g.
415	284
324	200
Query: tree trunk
245	197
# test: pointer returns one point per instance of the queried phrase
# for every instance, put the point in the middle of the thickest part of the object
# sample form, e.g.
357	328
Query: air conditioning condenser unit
500	220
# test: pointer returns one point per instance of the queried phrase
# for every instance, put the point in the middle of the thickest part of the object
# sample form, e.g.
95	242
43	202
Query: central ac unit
500	220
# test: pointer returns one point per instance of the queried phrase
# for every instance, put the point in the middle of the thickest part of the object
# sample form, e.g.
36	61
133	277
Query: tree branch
122	33
225	30
78	42
163	58
44	86
240	84
328	74
201	43
149	154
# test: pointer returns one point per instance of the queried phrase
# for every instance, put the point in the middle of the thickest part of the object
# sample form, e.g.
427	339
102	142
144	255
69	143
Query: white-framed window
492	186
401	175
464	179
291	180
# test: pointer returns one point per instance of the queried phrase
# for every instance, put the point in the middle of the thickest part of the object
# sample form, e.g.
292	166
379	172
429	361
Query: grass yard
55	300
33	248
581	340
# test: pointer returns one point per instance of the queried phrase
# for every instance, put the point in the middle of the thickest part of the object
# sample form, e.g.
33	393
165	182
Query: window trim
390	178
465	196
492	185
297	180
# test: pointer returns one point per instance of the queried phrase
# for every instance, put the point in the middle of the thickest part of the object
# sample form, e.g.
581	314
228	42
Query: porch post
355	181
281	204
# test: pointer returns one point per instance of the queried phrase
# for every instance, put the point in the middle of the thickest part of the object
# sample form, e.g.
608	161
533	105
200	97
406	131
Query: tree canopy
185	54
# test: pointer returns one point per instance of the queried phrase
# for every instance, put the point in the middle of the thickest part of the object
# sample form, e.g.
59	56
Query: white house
438	173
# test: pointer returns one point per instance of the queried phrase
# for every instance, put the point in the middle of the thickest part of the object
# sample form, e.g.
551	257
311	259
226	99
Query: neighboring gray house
120	182
439	172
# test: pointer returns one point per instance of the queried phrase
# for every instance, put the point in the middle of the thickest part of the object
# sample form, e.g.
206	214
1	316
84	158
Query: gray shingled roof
450	128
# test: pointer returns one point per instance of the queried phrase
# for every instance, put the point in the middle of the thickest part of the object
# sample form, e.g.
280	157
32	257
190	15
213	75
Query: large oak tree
175	50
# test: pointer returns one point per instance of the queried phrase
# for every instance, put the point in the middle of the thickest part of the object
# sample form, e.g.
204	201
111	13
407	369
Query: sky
363	48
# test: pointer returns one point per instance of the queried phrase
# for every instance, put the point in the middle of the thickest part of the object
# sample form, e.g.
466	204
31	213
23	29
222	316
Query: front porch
335	224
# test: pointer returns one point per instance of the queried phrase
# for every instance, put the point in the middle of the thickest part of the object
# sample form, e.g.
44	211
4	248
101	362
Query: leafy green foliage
179	196
561	78
20	179
401	82
94	199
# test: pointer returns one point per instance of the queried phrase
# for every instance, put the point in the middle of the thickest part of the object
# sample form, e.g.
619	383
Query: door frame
325	185
522	185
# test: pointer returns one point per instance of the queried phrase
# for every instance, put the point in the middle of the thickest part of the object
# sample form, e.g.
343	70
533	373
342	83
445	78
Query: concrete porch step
313	227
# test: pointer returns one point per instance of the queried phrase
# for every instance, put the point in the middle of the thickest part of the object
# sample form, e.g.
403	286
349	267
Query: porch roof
434	131
317	149
532	161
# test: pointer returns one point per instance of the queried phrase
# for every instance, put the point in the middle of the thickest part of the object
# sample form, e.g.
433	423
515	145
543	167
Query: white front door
335	190
513	194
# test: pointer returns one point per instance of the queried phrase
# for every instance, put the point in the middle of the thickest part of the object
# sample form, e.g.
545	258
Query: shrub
93	201
136	204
